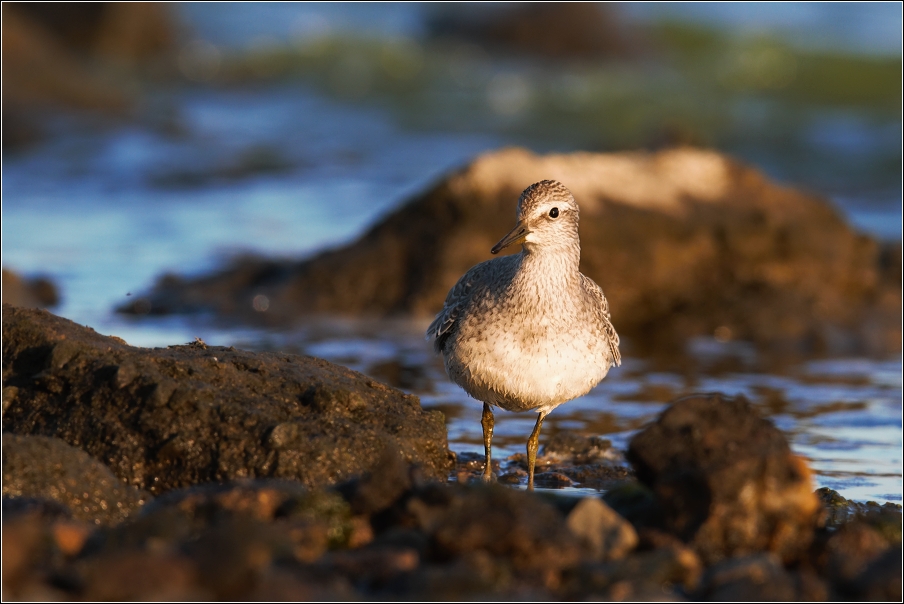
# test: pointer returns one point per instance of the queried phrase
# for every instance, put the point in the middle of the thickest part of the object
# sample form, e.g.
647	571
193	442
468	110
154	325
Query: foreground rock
168	418
684	242
390	534
42	468
725	480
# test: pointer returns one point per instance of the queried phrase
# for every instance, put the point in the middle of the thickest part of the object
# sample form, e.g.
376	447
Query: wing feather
602	306
456	300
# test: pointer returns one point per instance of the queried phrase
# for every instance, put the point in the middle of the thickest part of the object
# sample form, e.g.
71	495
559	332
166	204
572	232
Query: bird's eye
554	213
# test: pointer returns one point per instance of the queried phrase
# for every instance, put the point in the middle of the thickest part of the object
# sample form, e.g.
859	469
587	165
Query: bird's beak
516	235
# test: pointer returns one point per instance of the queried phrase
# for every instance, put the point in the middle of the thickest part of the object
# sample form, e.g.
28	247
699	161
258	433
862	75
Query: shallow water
105	208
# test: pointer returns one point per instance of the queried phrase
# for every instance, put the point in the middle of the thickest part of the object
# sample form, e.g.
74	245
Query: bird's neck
555	262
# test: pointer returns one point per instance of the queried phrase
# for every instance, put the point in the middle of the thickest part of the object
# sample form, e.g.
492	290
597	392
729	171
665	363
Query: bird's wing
456	300
602	306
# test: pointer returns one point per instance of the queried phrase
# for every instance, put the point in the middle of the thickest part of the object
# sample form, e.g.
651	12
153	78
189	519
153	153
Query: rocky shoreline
198	472
685	242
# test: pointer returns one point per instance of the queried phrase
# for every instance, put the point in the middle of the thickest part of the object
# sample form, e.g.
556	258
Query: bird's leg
487	421
533	444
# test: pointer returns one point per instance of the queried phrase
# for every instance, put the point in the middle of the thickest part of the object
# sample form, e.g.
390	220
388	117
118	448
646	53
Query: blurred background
145	138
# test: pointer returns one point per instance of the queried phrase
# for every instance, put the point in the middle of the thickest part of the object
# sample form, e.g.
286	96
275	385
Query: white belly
522	369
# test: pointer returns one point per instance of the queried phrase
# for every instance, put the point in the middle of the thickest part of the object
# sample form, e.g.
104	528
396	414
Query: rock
886	518
517	527
684	242
167	418
141	575
77	55
881	580
117	30
29	293
608	535
29	556
849	551
562	30
651	575
233	534
758	577
379	489
42	467
576	448
725	480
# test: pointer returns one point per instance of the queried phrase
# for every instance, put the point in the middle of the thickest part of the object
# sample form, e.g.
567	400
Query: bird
528	331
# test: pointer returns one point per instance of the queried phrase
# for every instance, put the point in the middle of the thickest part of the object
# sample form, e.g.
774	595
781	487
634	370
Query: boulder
38	467
172	417
30	293
560	30
725	480
685	242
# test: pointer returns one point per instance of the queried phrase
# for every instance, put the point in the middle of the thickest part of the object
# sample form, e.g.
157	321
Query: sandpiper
528	331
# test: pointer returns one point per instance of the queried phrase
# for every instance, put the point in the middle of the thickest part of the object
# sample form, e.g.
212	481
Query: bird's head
547	217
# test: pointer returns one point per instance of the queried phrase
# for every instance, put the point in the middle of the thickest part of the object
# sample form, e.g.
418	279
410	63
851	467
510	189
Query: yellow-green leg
487	421
533	444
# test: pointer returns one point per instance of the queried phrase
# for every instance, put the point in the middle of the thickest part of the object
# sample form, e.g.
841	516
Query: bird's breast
526	354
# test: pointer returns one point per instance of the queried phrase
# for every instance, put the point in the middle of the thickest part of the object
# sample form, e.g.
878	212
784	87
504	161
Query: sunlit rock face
685	242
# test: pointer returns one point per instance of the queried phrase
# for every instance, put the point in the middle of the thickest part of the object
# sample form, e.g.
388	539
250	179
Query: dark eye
554	213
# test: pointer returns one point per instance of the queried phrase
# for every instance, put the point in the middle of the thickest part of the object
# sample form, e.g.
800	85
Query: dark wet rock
525	531
553	480
606	534
725	479
140	575
885	518
633	501
168	418
587	462
390	535
47	468
684	242
30	557
881	580
29	293
759	577
848	552
233	534
653	575
597	476
38	506
577	448
379	489
560	30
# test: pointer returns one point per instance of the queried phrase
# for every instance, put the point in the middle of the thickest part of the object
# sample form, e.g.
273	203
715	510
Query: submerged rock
167	418
684	242
725	480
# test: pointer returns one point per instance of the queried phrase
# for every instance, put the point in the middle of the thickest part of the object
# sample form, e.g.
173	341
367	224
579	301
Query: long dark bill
516	235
